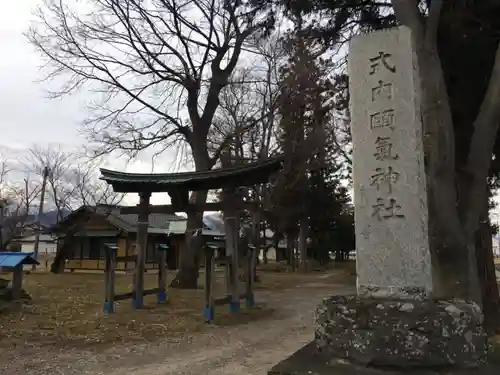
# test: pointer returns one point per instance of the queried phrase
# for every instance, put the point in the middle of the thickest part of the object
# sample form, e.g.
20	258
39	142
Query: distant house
93	228
84	234
47	242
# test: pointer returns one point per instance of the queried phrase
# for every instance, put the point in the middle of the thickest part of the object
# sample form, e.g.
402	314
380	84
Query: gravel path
249	349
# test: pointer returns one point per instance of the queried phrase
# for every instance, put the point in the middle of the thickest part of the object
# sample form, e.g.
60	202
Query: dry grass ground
281	276
67	310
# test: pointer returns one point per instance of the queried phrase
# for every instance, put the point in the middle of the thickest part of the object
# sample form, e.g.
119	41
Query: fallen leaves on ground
66	309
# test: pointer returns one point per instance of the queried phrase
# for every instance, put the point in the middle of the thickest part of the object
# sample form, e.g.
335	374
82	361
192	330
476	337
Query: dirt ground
66	310
250	348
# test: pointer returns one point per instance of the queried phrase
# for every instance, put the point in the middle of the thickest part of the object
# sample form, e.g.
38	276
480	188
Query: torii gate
178	186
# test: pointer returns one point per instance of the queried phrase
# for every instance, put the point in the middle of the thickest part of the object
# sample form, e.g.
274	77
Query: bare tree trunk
187	276
40	213
456	196
256	227
289	250
64	245
302	243
58	264
486	271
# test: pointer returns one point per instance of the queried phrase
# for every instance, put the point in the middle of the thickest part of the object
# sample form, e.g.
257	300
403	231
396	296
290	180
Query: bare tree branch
16	201
156	68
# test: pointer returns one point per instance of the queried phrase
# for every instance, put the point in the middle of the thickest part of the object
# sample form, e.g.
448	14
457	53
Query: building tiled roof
158	223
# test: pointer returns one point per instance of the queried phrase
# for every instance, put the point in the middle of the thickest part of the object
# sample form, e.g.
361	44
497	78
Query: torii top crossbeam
244	175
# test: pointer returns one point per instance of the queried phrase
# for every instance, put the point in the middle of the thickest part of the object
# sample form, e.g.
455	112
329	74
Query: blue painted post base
250	301
208	314
109	307
234	306
162	297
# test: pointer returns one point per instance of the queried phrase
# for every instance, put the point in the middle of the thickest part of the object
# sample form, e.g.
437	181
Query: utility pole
40	213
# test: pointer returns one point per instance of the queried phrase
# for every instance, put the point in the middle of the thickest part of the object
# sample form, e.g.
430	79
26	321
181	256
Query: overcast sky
28	117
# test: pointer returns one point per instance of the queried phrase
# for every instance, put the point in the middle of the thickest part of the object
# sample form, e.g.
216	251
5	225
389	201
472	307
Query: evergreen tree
331	219
458	52
308	190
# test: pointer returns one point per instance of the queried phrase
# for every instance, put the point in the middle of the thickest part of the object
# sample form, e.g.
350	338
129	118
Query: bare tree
73	179
247	120
157	69
16	201
338	128
88	190
59	163
83	189
73	182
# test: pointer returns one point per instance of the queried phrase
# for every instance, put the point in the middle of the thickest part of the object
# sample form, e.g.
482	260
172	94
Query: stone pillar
393	320
392	247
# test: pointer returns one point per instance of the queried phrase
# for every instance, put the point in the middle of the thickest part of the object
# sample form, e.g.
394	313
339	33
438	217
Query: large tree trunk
486	270
457	188
59	262
65	243
265	260
448	242
187	276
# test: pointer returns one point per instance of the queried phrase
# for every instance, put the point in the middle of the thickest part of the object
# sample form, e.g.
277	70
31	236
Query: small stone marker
393	258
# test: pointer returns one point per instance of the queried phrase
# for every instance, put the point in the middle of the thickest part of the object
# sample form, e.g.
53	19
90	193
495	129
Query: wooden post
40	213
232	242
208	312
109	280
107	262
141	245
256	227
250	265
17	282
227	275
162	274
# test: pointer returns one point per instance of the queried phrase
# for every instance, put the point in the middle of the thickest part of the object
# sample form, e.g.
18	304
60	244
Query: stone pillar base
385	332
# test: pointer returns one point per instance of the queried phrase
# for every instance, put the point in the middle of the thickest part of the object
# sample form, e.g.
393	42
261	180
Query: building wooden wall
96	232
